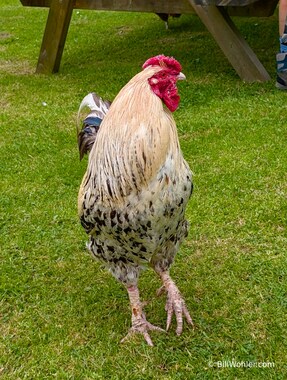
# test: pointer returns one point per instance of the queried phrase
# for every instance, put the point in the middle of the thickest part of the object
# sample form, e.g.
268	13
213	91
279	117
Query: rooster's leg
139	323
175	303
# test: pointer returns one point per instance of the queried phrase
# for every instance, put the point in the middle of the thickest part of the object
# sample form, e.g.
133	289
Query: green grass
62	315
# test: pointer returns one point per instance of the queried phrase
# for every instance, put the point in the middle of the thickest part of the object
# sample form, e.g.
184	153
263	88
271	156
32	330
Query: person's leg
282	16
281	57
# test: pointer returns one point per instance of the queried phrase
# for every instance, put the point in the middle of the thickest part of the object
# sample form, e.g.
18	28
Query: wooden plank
55	36
231	42
253	8
173	6
250	8
224	3
36	3
141	4
156	6
262	8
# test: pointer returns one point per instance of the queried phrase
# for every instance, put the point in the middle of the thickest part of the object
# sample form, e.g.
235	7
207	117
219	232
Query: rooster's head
163	82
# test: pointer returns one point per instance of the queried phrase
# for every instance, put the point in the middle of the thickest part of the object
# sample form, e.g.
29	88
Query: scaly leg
139	323
175	304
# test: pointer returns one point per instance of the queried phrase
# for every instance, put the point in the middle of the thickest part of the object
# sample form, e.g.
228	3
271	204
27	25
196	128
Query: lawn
62	315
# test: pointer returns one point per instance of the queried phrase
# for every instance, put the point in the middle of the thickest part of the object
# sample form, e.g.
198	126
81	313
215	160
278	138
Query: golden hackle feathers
134	140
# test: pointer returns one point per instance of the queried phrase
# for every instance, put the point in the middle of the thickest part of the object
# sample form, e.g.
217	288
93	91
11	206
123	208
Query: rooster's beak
181	76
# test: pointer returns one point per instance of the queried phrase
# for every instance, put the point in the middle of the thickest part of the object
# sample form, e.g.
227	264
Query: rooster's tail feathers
97	109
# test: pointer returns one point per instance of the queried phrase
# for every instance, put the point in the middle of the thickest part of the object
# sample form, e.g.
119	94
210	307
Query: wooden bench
215	14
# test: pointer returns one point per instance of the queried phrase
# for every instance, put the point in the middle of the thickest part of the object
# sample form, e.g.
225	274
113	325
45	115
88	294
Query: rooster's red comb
163	61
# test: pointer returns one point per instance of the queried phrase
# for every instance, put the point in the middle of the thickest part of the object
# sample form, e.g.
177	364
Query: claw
160	291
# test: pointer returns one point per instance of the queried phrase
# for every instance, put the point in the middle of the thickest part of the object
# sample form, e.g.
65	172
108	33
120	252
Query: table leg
54	38
231	42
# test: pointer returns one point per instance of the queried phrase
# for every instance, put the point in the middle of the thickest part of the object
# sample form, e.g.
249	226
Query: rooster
134	193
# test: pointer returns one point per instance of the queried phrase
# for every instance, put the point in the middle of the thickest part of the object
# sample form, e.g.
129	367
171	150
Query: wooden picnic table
215	14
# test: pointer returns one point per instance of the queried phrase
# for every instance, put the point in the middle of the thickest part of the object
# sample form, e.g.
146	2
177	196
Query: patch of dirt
5	35
17	67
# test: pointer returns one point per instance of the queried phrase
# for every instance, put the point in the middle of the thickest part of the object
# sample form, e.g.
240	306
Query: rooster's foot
175	304
142	326
139	323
